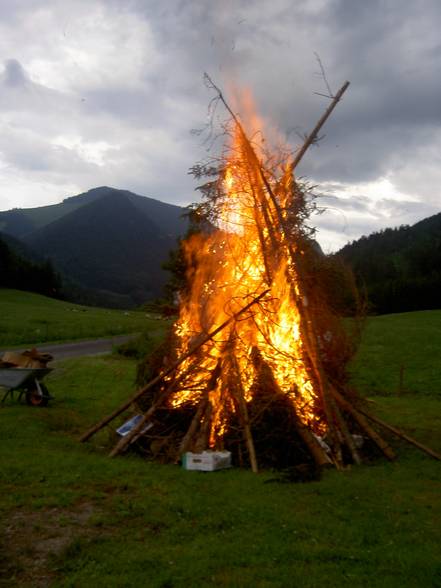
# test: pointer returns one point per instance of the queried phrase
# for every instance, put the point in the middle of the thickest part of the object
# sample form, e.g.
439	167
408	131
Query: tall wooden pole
315	131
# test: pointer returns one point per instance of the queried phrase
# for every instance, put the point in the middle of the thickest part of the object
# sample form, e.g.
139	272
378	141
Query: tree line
22	274
400	269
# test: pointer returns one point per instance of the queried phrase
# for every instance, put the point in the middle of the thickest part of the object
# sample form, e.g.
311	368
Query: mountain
110	243
400	268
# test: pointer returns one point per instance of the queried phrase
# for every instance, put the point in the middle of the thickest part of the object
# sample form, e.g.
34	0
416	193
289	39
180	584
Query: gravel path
78	348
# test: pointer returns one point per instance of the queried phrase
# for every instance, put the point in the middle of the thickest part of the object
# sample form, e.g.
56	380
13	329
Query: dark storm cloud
389	52
133	83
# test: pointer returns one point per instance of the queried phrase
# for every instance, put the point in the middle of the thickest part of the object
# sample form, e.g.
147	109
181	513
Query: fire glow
247	254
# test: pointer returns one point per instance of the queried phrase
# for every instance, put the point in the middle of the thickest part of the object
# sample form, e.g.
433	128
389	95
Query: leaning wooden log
248	434
202	438
349	441
137	430
242	411
168	371
317	452
319	455
194	425
312	135
402	435
200	411
364	425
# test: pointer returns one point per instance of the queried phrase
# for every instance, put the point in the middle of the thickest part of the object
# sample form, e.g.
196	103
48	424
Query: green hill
110	244
400	268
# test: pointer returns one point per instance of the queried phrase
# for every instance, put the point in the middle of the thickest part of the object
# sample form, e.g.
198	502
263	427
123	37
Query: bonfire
256	363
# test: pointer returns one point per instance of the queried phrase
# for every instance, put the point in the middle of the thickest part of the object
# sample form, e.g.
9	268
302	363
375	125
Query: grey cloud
14	74
390	51
360	204
338	224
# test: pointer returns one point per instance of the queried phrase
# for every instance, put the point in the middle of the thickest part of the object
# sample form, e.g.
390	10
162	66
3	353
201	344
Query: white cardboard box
207	461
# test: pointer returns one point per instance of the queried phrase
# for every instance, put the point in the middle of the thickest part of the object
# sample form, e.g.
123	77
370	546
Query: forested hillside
23	274
107	244
400	268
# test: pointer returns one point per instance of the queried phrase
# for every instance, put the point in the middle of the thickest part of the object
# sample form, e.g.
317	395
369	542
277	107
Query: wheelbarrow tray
15	378
25	381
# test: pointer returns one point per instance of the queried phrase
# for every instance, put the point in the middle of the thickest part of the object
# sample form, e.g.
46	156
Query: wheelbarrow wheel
34	398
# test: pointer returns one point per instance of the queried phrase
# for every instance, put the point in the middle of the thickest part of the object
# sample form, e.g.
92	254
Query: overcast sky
106	92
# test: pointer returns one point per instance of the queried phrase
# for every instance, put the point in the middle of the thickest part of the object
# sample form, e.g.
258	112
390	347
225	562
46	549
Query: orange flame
246	255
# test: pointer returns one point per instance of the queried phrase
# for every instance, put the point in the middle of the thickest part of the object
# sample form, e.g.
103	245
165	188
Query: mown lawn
27	318
70	516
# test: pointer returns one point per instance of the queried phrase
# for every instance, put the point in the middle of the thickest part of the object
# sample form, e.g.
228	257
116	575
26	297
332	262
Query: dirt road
79	348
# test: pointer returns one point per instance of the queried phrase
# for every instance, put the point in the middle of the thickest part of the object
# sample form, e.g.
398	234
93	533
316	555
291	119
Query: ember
256	363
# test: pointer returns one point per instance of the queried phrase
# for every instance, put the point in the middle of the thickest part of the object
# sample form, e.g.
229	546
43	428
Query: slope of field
31	318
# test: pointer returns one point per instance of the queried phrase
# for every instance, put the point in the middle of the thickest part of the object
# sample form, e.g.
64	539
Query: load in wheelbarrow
27	382
24	372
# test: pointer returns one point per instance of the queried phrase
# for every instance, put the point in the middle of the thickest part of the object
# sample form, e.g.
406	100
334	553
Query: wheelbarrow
27	381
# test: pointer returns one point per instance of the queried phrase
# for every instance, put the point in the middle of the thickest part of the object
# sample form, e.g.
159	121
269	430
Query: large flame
247	254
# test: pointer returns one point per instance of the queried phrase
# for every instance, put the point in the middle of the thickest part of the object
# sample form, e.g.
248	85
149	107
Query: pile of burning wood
257	360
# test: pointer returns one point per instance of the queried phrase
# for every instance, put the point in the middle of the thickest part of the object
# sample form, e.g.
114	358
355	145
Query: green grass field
72	517
409	342
27	318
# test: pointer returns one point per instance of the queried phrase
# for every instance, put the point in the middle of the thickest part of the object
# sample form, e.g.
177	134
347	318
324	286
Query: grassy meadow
72	517
409	343
27	318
